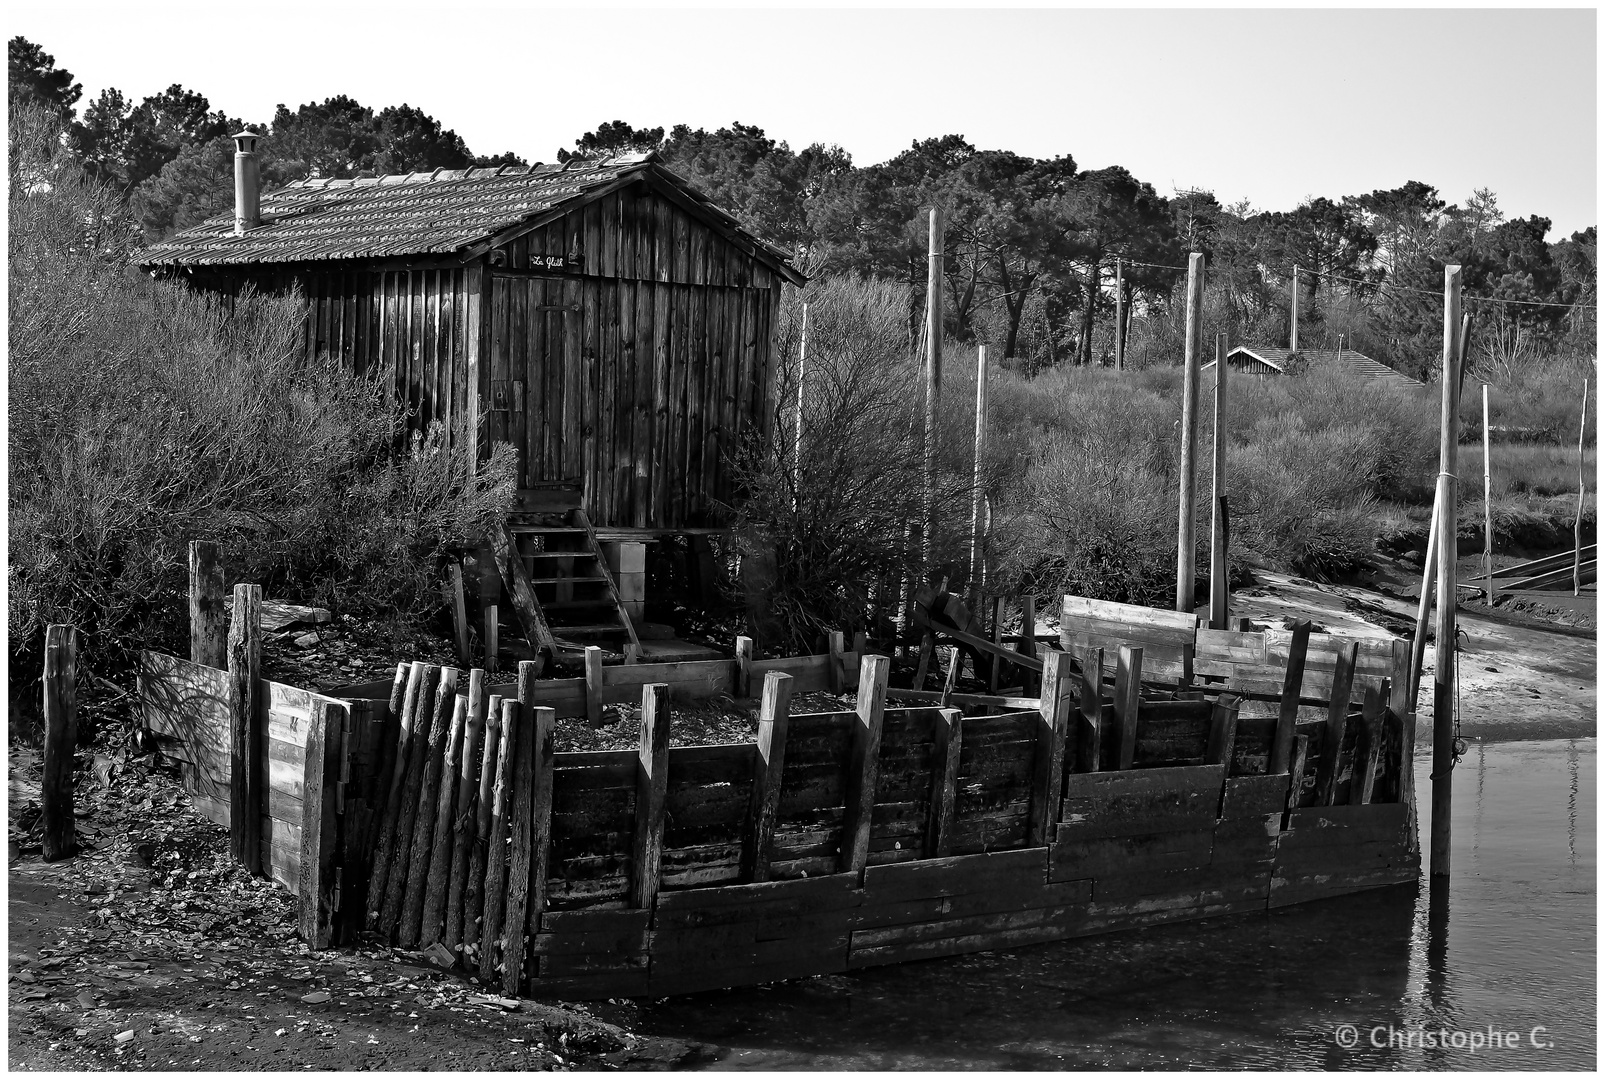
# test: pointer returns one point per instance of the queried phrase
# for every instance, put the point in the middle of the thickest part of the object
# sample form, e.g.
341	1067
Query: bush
145	415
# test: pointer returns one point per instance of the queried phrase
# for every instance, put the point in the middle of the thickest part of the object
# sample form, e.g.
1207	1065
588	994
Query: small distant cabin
600	315
1263	361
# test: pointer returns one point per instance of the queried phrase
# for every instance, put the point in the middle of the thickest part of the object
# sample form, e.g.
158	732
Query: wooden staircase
573	591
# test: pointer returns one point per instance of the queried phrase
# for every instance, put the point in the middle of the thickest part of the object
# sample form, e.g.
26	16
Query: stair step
544	530
565	605
567	580
557	554
588	629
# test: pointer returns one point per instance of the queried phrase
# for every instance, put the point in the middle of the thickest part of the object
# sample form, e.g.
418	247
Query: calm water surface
1517	951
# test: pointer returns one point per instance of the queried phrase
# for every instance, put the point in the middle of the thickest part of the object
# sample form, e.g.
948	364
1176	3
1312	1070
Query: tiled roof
433	213
1357	362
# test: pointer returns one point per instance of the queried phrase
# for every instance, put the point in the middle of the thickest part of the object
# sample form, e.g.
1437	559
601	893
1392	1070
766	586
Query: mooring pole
1487	499
933	378
1443	674
1582	492
1219	591
976	554
1189	432
1292	330
1120	318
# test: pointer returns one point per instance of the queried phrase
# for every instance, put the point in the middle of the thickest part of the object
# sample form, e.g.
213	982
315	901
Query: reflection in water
1509	942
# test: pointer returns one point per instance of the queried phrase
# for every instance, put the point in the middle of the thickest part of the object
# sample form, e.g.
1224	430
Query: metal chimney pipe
247	185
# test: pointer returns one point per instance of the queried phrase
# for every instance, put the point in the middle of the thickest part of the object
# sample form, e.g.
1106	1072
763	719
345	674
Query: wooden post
320	822
1128	699
1047	759
385	844
933	379
1337	716
61	742
944	783
427	717
1487	501
459	612
1089	736
1582	494
1292	324
1120	317
833	669
1222	732
474	890
797	439
543	745
1219	588
997	639
651	790
521	807
1443	668
438	878
1368	746
593	685
922	665
977	553
463	835
950	683
493	646
490	929
774	714
1185	555
743	667
248	740
1028	636
1287	710
208	619
863	763
1295	770
1429	579
448	712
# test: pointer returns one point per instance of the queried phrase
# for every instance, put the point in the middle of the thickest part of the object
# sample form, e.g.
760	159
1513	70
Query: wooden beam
994	701
432	924
769	763
320	822
1292	686
833	673
952	678
863	763
651	791
540	837
484	811
521	809
463	834
390	816
1222	732
516	578
459	613
1187	470
1047	759
1337	715
1368	746
1219	588
995	657
1128	701
1295	770
1443	667
61	742
743	667
1089	747
593	685
248	739
945	752
208	618
490	929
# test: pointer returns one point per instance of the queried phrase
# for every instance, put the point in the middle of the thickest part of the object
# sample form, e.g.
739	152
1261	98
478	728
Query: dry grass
1525	469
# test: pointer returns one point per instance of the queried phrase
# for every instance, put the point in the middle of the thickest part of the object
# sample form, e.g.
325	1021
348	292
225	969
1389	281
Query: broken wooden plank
515	576
320	823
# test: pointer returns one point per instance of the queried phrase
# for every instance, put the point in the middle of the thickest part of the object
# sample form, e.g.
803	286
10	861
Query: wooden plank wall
636	364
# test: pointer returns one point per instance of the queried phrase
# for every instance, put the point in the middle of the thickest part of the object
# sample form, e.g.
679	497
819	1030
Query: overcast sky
1268	105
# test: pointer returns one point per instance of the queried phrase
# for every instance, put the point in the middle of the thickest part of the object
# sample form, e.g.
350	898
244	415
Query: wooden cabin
600	315
1266	361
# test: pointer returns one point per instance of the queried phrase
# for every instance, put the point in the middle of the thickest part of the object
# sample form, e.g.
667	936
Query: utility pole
977	553
1219	590
933	378
1443	676
796	451
1120	318
1292	333
1189	432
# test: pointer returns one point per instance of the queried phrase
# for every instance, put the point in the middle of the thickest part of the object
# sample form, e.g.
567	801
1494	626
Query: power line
1430	293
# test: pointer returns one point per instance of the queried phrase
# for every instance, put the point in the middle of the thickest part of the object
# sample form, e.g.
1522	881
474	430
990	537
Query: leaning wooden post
208	620
1287	711
1089	734
543	746
976	552
1582	492
1443	668
495	891
593	685
1185	555
1047	759
247	744
945	753
1337	718
651	792
863	763
61	741
1219	589
1487	502
769	762
1429	578
933	379
1120	317
463	835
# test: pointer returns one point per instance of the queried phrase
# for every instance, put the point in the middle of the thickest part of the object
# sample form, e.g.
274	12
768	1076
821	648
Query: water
1517	951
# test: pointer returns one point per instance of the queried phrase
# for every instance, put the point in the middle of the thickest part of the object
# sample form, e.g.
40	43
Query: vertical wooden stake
208	619
769	764
833	669
248	740
1337	715
945	754
1222	732
922	666
1429	580
651	790
951	681
1128	700
743	667
1219	588
997	639
490	929
493	645
385	843
977	554
1187	472
1089	736
933	380
1120	317
1047	759
438	879
544	748
1295	769
320	822
1443	668
797	440
1582	494
61	741
1287	710
1028	638
1368	746
863	763
1487	501
484	812
593	685
521	805
1292	323
463	835
459	612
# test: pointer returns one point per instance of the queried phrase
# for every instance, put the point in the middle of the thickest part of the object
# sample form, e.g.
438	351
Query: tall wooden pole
1487	498
61	742
1189	432
208	621
796	448
1219	595
1443	676
1120	318
933	377
975	494
1429	578
1292	331
1582	491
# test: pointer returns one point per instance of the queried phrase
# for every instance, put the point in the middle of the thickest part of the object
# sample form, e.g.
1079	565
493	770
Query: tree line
1031	245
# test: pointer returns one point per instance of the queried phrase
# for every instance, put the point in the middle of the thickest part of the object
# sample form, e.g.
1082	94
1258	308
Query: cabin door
552	446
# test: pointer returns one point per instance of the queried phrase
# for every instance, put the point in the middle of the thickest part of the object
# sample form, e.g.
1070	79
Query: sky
1271	105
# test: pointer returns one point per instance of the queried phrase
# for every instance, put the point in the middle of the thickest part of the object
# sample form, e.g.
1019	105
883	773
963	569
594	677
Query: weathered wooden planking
1144	800
1253	796
1093	857
955	874
1330	826
1259	661
1166	637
